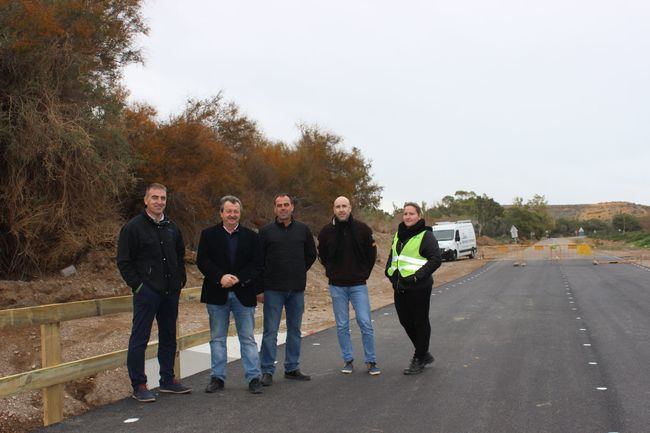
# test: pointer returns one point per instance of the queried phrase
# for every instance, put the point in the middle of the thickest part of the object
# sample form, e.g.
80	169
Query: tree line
75	156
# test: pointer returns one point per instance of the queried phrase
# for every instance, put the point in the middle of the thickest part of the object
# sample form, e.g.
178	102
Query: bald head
342	208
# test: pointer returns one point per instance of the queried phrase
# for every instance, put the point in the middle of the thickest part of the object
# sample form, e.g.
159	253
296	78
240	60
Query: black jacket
348	252
287	254
151	253
213	261
423	278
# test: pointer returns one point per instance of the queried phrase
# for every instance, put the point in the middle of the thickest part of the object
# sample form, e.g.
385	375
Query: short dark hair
417	207
232	199
154	186
283	194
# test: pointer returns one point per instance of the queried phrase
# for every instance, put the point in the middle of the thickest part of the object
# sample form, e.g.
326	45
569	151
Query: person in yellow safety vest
413	258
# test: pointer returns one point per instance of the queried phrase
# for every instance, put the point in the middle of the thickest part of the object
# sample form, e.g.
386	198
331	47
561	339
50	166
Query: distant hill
601	211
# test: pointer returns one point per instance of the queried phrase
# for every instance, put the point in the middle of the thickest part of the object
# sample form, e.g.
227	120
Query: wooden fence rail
58	374
53	374
54	313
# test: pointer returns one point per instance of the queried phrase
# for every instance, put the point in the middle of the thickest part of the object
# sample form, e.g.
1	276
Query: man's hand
260	298
228	280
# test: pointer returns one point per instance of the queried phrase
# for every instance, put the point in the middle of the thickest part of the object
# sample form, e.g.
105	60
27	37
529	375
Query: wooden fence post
51	355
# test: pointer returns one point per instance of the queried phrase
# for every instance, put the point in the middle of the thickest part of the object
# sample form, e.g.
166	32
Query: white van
455	239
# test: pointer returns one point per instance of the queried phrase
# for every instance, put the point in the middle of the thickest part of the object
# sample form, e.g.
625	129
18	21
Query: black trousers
147	305
413	312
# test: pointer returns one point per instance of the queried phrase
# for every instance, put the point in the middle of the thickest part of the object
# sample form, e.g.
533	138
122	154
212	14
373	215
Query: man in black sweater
151	260
348	251
288	251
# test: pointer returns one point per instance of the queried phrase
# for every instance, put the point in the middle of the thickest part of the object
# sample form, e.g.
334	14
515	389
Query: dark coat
213	261
348	252
288	253
423	277
151	253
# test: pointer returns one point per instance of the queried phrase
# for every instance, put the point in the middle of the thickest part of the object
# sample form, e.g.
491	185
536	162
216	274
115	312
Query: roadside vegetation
625	228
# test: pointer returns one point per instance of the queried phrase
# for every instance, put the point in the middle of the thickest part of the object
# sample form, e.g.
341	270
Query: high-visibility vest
409	259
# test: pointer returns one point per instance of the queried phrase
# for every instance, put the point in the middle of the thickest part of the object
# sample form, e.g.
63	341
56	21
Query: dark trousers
147	305
413	312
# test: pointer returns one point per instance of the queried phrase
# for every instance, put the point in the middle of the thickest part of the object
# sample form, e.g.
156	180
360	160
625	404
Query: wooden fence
53	373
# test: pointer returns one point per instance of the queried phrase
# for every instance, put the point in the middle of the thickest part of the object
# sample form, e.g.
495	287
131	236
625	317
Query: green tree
625	222
488	215
530	218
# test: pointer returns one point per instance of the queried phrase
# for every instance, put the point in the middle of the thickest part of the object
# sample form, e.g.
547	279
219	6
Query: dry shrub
64	159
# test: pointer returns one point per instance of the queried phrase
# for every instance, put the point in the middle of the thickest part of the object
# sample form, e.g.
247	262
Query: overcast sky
507	98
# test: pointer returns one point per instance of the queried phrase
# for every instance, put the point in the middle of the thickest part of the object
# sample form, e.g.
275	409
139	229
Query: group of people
242	267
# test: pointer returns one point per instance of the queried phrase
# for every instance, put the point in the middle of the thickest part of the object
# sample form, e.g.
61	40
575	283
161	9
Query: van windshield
443	235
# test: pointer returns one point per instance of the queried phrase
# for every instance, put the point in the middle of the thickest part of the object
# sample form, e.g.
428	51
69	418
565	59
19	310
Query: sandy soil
97	277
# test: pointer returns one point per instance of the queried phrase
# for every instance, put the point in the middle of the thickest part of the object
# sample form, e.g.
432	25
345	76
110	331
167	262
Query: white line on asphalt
587	344
583	329
601	388
315	344
577	318
593	363
130	420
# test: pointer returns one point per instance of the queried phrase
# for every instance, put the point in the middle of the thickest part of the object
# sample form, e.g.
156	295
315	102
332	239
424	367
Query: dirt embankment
96	278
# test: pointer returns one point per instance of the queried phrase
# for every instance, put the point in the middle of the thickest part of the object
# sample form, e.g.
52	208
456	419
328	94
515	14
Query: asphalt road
556	346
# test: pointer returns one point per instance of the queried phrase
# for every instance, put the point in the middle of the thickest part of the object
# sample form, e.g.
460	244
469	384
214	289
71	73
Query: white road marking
601	388
587	345
593	363
130	420
583	329
315	344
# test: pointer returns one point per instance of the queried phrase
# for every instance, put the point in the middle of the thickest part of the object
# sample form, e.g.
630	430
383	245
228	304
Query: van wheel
473	253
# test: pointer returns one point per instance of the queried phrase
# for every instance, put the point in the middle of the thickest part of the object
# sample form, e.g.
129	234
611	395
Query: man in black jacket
229	257
151	260
348	251
288	251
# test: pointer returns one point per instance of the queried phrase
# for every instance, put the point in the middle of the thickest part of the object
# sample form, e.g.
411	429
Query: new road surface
555	346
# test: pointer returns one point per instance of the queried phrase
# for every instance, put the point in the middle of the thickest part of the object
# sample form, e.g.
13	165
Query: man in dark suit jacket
229	257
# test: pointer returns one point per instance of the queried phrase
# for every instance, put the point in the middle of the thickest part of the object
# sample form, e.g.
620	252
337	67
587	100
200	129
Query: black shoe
214	385
296	375
255	386
267	379
415	367
428	360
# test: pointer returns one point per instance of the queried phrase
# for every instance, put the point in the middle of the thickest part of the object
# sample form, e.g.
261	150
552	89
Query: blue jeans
342	296
294	305
245	323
